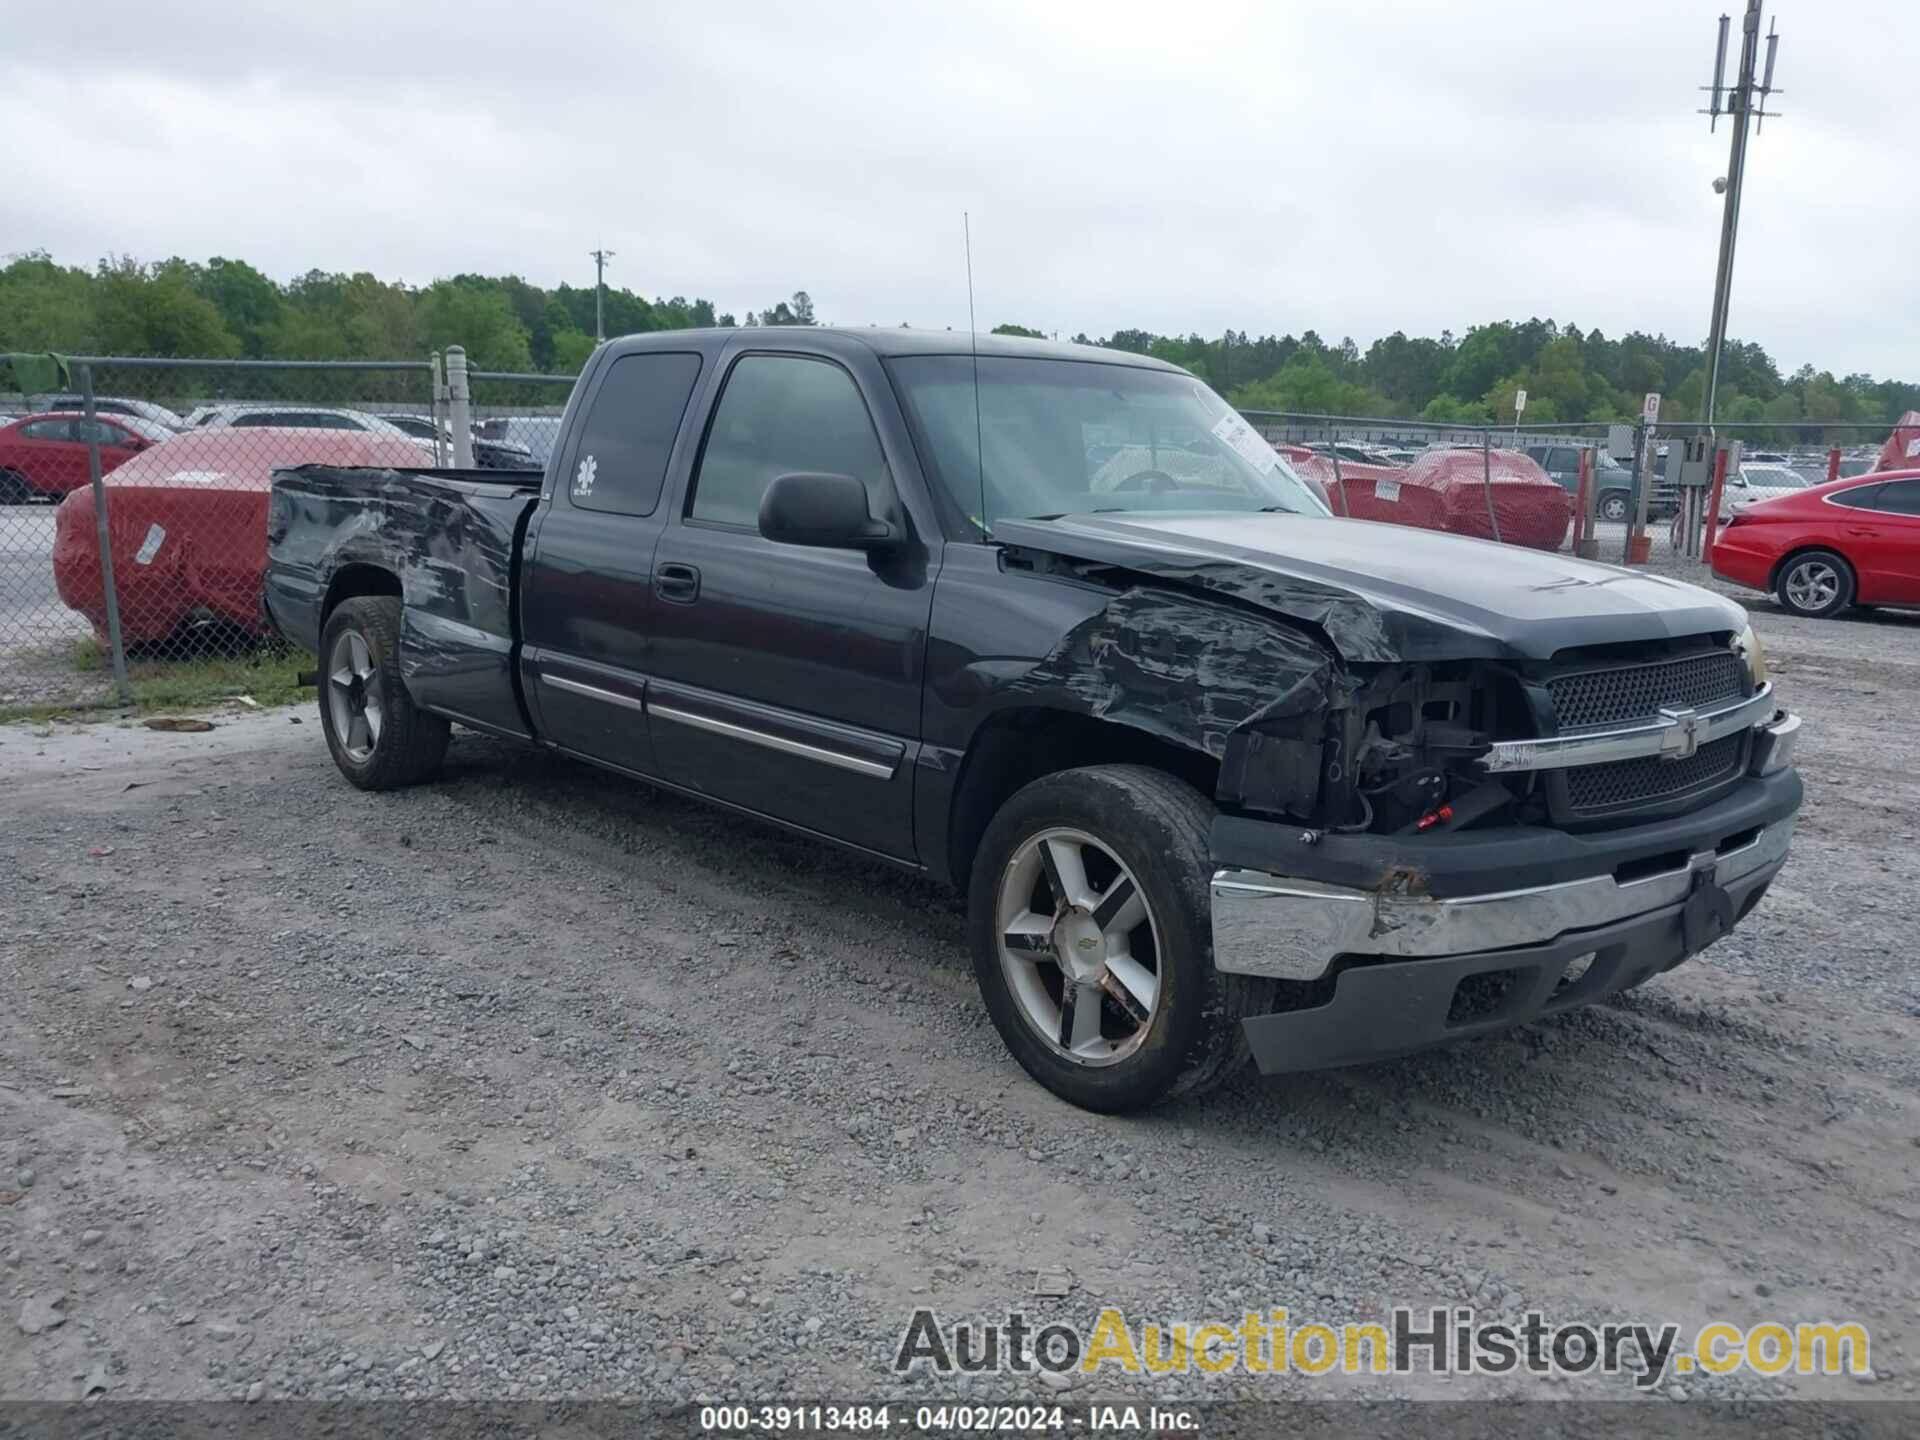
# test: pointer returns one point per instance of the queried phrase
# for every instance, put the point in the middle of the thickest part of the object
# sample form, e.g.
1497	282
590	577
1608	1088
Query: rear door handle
677	583
1860	530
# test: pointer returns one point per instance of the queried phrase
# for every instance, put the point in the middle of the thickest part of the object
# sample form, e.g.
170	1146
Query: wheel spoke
1029	934
1079	1015
359	737
1132	985
1066	872
344	678
362	658
371	714
1119	910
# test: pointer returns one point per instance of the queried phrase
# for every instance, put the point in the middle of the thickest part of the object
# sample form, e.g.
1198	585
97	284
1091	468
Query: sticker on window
1386	489
150	547
1246	442
584	475
197	477
1913	448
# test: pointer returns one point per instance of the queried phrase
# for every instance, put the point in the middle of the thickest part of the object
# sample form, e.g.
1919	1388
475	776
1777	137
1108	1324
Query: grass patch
267	674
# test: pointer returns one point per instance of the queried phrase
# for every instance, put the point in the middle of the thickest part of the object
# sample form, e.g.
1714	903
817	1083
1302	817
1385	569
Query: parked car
487	454
1613	481
536	432
44	456
120	405
189	526
1853	541
282	417
1218	773
1454	490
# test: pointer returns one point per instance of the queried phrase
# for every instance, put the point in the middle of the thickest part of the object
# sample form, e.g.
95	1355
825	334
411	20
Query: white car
297	417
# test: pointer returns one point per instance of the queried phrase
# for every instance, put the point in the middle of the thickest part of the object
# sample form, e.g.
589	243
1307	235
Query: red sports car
188	525
43	457
1819	550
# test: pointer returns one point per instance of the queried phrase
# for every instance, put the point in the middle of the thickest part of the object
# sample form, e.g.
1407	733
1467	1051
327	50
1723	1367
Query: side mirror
824	510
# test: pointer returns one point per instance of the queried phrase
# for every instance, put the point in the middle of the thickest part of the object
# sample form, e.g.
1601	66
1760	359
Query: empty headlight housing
1747	645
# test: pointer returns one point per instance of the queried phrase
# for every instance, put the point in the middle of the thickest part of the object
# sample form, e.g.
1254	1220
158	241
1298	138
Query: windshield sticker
583	477
150	547
1386	489
198	477
1246	442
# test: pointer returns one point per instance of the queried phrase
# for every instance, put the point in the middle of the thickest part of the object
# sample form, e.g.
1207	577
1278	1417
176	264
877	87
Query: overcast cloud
1348	167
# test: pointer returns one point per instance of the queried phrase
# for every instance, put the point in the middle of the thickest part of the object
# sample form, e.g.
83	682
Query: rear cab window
627	435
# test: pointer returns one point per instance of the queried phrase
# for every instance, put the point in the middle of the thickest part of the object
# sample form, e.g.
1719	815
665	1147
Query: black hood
1388	592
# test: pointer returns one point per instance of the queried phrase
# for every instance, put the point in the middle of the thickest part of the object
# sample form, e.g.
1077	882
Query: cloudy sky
1349	166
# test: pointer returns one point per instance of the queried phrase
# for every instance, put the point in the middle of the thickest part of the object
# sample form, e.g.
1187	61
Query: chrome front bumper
1292	929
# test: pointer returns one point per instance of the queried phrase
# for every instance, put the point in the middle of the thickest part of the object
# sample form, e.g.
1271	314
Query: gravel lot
534	1083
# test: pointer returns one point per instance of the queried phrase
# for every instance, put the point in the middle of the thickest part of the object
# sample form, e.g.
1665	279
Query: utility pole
1744	101
600	258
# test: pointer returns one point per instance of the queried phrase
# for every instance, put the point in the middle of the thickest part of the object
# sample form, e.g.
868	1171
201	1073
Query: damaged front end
1298	732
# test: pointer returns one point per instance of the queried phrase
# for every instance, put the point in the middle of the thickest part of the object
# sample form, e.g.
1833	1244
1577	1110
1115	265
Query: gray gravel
533	1083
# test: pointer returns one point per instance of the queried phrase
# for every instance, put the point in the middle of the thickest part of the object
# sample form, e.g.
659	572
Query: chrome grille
1639	692
1628	784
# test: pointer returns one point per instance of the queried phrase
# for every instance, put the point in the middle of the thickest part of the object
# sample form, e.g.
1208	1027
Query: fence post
437	408
1637	546
103	539
1589	547
460	407
1486	479
1833	463
1339	485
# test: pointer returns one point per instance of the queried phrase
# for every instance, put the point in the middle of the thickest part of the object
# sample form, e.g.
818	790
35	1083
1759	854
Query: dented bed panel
450	538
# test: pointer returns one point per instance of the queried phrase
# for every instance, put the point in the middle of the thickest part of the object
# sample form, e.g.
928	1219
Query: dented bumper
1391	930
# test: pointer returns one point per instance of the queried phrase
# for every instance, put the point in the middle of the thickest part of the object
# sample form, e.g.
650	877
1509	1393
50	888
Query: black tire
1613	505
1814	583
1157	826
408	744
14	489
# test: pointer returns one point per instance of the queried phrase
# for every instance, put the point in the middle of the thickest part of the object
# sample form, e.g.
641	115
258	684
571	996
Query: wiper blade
1278	510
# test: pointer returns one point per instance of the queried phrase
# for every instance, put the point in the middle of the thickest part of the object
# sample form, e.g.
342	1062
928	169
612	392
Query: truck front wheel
1088	916
379	738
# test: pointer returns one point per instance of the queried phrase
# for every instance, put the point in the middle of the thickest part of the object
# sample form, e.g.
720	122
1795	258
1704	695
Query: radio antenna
973	345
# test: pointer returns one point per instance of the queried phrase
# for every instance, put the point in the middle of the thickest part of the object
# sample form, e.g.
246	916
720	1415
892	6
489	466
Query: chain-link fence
133	500
1628	494
133	492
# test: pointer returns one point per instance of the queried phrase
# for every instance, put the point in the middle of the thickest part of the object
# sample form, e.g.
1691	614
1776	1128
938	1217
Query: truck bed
451	536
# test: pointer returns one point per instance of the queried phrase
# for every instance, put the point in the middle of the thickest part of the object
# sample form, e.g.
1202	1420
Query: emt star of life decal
583	477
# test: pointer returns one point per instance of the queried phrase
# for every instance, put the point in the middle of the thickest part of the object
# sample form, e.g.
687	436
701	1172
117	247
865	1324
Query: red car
188	525
42	457
1819	550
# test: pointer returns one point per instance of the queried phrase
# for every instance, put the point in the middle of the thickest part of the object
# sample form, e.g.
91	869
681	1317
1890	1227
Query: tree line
225	309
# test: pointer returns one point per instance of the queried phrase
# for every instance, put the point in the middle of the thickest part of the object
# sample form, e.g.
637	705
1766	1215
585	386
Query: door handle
677	583
1860	530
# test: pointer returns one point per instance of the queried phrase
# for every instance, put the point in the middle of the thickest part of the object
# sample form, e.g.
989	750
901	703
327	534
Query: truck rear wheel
379	738
1089	921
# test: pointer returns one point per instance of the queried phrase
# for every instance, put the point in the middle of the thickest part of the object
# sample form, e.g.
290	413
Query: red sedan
43	457
1819	550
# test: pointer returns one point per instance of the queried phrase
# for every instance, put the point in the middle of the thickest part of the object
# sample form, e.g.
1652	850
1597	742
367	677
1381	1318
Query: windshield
1062	437
1774	477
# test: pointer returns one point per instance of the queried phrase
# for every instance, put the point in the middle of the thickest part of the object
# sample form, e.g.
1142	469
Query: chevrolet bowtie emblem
1682	737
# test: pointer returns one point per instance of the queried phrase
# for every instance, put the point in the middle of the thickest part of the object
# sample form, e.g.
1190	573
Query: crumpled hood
1388	592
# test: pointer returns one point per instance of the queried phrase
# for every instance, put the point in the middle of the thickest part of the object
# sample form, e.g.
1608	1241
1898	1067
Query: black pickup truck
1219	774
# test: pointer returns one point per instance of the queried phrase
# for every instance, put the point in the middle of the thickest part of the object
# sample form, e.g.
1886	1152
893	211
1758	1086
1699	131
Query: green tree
482	320
44	306
1020	330
153	310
